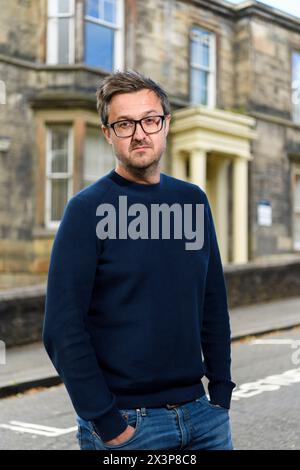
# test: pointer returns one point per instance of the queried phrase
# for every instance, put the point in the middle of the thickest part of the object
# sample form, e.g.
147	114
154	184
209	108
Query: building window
98	157
202	67
104	34
296	217
60	34
59	170
296	86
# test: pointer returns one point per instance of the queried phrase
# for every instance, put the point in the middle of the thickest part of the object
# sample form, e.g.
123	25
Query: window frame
211	70
296	208
52	34
118	28
49	175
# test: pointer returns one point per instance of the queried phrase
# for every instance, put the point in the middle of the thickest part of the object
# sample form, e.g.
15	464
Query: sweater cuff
110	425
220	393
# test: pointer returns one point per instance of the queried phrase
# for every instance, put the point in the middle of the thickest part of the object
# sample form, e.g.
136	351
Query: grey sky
289	6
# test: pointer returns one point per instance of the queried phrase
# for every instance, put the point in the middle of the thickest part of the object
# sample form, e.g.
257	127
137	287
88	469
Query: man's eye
124	125
149	120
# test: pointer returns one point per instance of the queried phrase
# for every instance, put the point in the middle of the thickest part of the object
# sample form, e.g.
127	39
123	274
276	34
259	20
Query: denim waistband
169	406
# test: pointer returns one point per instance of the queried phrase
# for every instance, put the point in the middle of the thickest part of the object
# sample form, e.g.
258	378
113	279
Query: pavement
29	366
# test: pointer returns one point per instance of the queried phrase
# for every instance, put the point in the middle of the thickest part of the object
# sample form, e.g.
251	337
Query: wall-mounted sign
264	213
4	144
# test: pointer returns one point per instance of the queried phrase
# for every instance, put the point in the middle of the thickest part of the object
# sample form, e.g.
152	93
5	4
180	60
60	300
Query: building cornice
51	68
63	99
248	9
267	13
274	119
219	7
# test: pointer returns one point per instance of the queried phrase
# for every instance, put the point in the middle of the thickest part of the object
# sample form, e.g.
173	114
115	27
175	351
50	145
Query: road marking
268	384
38	429
295	358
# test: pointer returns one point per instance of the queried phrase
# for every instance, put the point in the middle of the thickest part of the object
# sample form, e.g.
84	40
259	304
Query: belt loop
143	411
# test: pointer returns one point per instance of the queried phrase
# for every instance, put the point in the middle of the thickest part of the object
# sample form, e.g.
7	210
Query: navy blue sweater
135	322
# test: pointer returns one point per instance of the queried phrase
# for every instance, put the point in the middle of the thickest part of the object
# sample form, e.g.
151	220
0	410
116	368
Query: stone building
233	76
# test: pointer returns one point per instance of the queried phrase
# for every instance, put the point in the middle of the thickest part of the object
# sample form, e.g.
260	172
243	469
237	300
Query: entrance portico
212	148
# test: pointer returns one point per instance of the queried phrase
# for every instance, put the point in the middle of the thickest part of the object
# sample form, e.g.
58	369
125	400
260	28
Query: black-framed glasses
126	127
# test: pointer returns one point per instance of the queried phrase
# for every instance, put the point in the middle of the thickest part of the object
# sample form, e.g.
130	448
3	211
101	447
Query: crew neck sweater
135	321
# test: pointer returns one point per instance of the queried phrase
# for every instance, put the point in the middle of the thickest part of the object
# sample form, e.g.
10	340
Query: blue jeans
190	426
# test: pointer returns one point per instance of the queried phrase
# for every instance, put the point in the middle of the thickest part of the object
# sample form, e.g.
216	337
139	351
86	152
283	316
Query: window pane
205	55
59	163
99	46
296	65
92	8
195	52
56	7
59	198
110	11
102	9
63	40
199	87
59	150
59	138
64	6
98	158
200	47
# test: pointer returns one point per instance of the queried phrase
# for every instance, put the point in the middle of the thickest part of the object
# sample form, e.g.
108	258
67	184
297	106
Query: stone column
198	167
178	166
221	207
240	210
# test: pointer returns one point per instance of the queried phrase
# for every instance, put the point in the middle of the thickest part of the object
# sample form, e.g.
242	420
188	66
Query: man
130	309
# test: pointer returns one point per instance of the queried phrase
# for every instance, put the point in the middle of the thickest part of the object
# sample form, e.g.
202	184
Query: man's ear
167	121
106	132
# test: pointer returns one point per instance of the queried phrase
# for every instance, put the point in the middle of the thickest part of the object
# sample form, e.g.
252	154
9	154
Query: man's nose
139	132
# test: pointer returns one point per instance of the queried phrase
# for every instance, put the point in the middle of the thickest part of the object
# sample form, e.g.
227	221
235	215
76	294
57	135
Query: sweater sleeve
215	336
70	282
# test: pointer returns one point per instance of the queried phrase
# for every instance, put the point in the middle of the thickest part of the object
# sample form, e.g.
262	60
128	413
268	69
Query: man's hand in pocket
124	436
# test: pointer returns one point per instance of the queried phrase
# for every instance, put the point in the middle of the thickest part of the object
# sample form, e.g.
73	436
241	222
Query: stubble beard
137	167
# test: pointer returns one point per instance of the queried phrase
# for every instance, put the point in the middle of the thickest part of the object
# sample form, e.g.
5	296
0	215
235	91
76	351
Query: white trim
211	70
92	19
52	32
49	175
212	74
